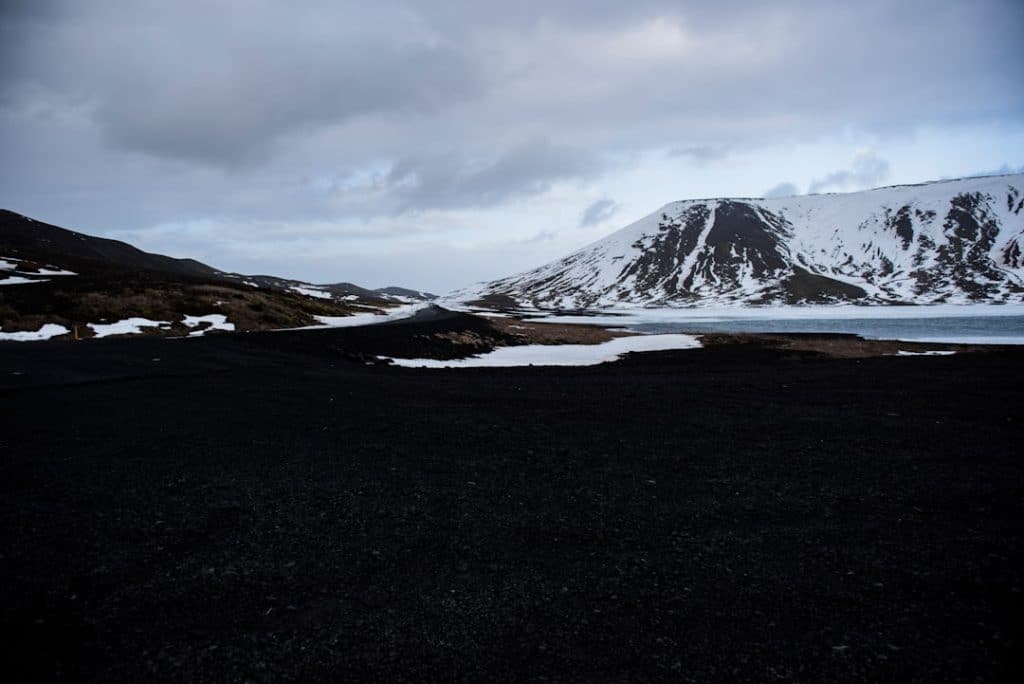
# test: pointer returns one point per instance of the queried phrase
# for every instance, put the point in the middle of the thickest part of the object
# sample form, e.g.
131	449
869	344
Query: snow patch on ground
311	292
966	339
214	321
561	354
11	264
369	318
18	280
44	333
933	352
128	326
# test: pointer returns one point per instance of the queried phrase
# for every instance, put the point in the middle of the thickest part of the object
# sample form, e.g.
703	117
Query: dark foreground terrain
266	507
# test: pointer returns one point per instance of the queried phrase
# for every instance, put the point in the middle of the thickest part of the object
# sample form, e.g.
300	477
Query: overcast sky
434	144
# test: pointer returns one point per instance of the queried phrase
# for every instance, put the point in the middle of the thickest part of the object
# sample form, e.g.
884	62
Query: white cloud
598	212
867	170
781	190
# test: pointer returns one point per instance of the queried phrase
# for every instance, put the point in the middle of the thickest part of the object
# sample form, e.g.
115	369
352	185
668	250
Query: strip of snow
214	321
561	354
934	352
44	333
6	265
691	259
128	326
967	339
310	292
397	313
55	272
18	280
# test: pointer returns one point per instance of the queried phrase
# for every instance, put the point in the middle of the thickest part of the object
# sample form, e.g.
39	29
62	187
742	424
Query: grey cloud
1003	170
226	120
452	181
542	236
222	87
700	154
217	85
866	171
598	212
781	190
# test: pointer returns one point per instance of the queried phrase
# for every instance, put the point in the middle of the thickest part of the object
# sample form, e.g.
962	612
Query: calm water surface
962	329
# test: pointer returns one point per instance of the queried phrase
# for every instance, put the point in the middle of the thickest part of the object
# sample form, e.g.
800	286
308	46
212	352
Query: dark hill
62	277
33	240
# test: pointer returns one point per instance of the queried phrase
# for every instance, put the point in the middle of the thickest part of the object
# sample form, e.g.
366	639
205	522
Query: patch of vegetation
75	303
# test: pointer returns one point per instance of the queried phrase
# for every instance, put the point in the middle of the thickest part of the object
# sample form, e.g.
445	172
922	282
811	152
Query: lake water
958	329
977	324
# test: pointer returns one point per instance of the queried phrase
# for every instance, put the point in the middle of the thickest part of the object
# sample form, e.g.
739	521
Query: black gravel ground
265	508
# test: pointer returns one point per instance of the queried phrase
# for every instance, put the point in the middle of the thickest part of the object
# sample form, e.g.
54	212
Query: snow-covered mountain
957	241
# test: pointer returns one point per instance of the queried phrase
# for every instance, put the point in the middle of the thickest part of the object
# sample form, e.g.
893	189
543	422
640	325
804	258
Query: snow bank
933	352
310	292
561	354
214	321
369	318
11	264
18	280
44	333
129	326
965	339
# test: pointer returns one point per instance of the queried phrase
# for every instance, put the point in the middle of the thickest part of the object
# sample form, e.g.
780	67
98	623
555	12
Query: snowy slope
957	241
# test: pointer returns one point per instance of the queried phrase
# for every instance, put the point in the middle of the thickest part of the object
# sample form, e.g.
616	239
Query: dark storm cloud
598	212
453	181
867	170
781	190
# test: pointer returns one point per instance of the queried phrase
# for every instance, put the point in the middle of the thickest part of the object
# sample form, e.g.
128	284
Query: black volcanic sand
266	507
